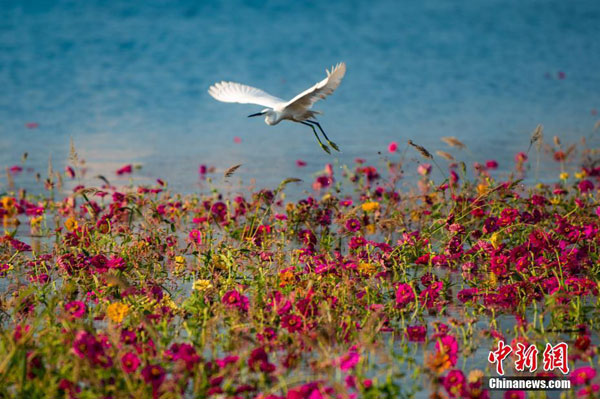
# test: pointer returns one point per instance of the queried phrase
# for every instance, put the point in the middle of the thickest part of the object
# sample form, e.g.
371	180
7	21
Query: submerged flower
416	333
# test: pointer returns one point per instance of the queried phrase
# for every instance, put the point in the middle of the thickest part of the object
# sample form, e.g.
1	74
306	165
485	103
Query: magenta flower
585	186
125	170
491	164
234	299
352	225
130	362
300	163
291	322
582	375
416	333
75	309
455	383
392	147
116	262
448	345
196	236
349	360
154	375
404	295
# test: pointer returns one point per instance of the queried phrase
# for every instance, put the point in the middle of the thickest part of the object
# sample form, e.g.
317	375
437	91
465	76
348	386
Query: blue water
127	81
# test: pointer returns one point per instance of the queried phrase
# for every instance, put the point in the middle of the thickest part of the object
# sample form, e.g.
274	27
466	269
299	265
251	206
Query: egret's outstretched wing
231	92
306	99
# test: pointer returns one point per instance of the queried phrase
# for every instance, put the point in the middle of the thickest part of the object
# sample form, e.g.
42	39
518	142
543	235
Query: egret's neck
272	118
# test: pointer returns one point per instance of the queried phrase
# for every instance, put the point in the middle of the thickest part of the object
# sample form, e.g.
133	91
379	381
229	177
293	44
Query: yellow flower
117	311
371	229
8	203
555	200
35	221
289	207
495	239
475	375
564	176
202	285
180	260
482	188
579	175
71	224
367	268
370	206
286	278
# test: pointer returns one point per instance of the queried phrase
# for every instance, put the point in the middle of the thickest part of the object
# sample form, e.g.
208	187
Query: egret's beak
256	114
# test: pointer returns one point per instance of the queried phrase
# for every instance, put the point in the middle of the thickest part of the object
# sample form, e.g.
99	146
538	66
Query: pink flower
520	157
448	345
455	383
582	375
69	171
404	295
116	262
424	169
237	140
300	163
392	147
514	395
491	164
202	170
291	322
234	299
130	362
352	225
15	169
75	309
349	360
125	170
196	236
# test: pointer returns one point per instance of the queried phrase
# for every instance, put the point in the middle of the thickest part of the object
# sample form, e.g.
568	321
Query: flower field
368	287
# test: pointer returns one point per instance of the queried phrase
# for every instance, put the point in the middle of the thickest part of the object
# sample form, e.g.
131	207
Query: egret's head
270	116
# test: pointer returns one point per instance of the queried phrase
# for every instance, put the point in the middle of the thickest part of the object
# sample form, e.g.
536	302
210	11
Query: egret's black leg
331	143
323	146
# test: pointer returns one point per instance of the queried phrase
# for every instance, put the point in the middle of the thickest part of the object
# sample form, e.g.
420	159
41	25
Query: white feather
231	92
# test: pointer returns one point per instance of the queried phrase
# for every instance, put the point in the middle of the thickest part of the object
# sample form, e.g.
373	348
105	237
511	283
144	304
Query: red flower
153	375
124	170
130	362
233	298
291	322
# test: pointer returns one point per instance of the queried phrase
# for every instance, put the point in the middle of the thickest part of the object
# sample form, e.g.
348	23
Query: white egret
298	109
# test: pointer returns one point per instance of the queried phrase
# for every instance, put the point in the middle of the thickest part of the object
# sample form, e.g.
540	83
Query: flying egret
298	109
